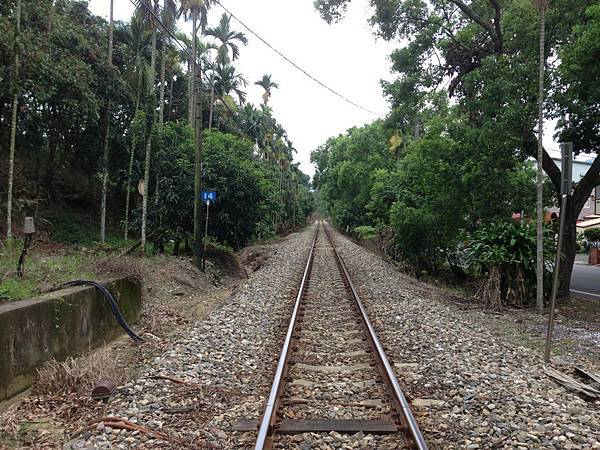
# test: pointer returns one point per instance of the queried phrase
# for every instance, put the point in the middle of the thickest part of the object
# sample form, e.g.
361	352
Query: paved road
585	281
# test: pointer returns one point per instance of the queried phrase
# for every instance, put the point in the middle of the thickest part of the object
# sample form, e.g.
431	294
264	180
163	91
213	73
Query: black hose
112	303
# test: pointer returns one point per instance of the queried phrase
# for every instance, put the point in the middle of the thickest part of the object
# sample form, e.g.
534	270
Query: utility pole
541	4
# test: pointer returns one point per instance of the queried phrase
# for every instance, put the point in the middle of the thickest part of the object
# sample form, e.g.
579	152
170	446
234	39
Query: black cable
112	303
320	83
156	18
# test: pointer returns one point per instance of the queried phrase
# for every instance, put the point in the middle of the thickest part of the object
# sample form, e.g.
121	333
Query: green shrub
507	252
418	240
365	232
14	288
592	234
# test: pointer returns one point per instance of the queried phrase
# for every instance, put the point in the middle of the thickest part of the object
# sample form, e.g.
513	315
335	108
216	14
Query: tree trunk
13	125
581	193
163	68
105	161
198	161
150	122
170	99
569	251
131	159
128	190
192	72
161	112
211	106
540	175
105	176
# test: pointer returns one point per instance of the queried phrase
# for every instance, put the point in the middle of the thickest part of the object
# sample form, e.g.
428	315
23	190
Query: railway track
332	374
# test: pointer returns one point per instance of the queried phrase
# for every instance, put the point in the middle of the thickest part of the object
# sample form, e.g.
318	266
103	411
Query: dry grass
78	375
120	267
489	292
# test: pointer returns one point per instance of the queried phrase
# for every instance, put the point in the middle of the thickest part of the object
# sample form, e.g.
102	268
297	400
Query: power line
320	83
185	49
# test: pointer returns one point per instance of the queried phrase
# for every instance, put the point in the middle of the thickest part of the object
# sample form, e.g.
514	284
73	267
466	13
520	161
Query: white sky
345	56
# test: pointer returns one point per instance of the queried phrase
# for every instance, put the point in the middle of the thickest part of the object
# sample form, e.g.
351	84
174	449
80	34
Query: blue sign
209	196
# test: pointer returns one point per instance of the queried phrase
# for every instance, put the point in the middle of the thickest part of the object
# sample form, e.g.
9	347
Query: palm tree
169	18
228	40
13	123
542	5
267	85
150	107
198	11
111	26
136	42
228	81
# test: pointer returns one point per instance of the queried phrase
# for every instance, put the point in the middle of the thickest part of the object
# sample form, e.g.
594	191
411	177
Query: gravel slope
226	361
470	388
476	389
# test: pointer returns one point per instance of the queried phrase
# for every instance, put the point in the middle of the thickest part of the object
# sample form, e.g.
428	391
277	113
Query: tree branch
548	163
497	27
479	20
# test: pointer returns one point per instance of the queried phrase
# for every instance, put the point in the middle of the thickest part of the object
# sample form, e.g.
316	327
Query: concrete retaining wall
60	324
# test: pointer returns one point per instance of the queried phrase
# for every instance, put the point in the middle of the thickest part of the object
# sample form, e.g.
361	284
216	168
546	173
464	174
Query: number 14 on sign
209	196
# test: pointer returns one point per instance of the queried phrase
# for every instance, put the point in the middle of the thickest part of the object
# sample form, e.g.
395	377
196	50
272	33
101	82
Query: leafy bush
506	252
592	235
417	237
365	232
255	196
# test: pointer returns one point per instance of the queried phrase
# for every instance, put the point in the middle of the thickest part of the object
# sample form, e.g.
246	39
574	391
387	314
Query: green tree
486	53
346	167
268	85
135	44
229	81
197	10
228	40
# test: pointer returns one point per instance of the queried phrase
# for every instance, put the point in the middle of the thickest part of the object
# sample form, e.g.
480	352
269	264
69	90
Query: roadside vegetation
436	183
97	138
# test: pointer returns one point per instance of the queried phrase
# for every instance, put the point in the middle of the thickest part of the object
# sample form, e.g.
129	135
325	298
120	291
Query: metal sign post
566	182
28	230
207	197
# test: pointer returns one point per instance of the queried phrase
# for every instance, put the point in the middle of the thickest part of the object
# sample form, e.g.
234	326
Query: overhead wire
148	8
290	61
156	18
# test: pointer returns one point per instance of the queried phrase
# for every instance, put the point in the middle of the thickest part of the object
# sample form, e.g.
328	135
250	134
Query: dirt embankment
175	294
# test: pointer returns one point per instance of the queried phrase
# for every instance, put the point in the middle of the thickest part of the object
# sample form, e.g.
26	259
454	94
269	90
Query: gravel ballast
226	362
469	387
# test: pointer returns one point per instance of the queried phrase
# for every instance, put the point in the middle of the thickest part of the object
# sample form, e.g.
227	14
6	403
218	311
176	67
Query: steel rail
402	406
270	413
